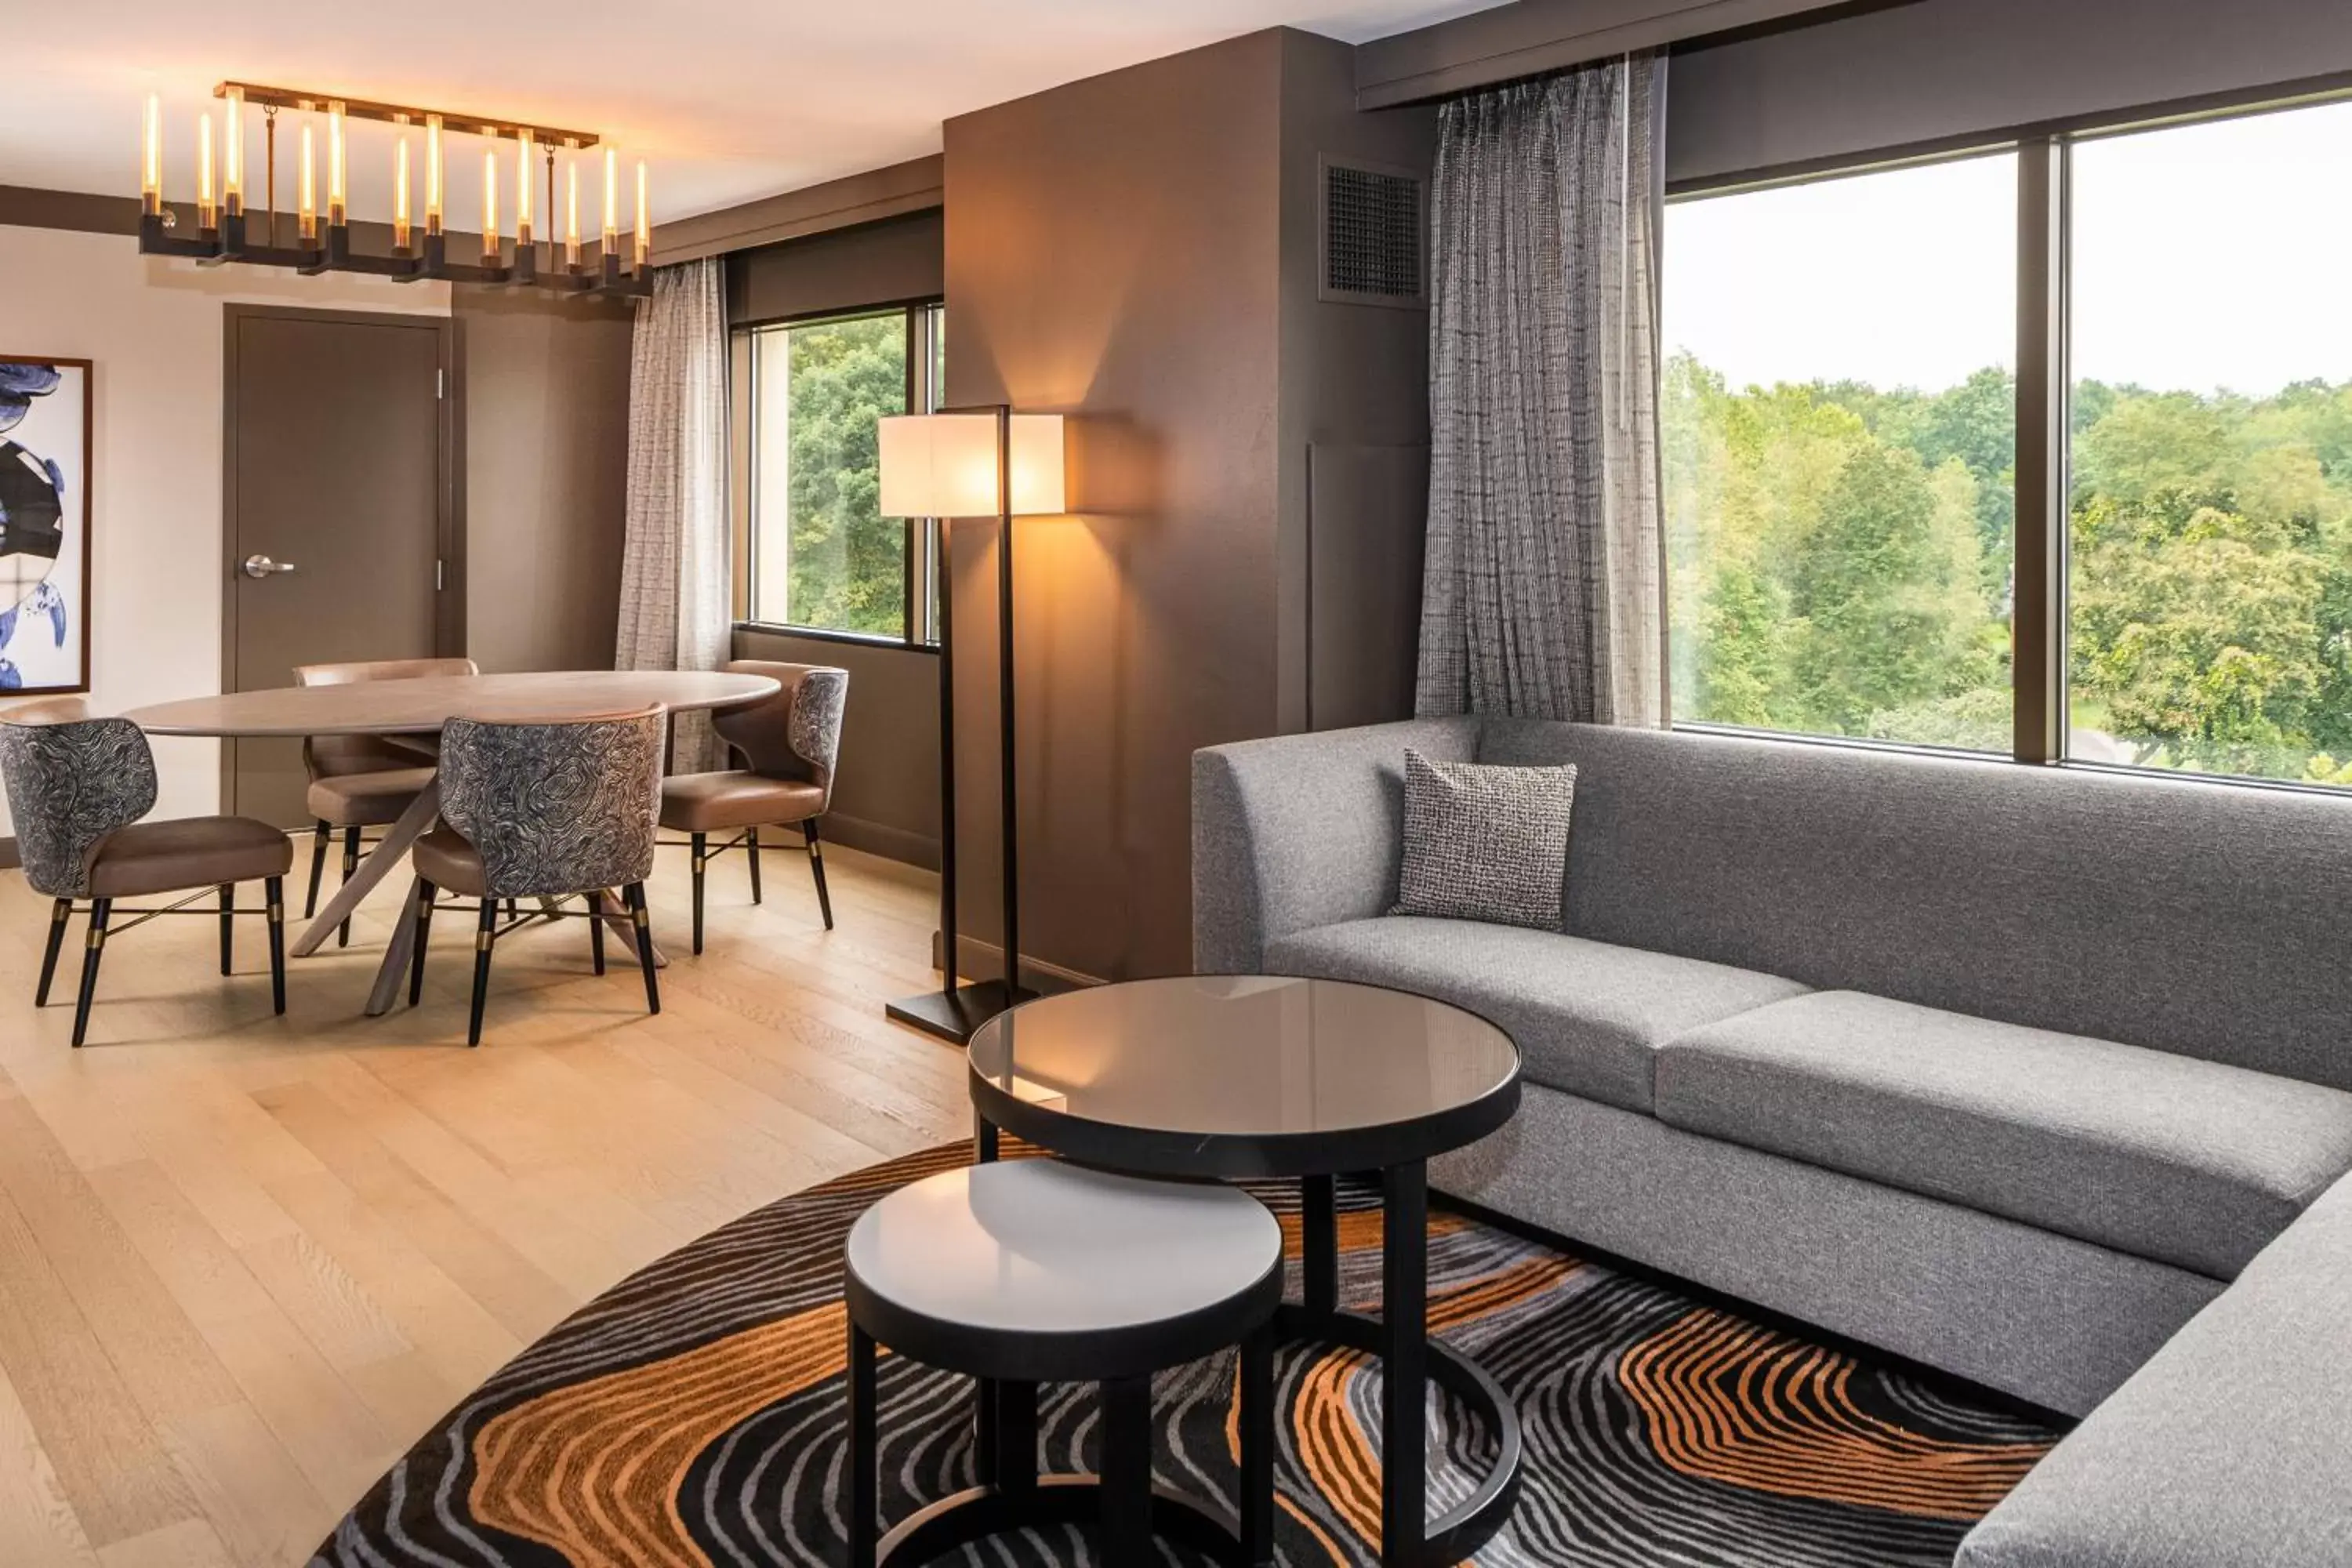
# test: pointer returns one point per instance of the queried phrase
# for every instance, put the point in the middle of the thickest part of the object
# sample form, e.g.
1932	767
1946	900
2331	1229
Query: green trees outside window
823	555
1842	520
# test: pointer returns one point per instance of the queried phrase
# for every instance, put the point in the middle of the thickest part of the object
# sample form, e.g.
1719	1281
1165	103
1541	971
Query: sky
2206	257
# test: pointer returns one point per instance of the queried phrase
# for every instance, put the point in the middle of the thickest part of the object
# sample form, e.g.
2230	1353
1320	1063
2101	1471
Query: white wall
152	329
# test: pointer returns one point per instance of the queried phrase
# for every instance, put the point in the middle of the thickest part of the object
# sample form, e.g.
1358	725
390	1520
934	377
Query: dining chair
545	811
359	781
791	742
77	788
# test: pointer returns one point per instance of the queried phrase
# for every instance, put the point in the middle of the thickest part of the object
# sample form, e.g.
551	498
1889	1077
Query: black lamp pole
954	1011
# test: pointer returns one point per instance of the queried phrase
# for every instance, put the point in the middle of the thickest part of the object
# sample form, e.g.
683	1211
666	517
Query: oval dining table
411	713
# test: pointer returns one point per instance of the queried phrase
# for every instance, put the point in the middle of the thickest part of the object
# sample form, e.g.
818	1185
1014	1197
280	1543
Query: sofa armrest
2230	1448
1301	831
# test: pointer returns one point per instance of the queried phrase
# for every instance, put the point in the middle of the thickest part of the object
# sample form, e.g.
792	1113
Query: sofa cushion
1587	1016
2230	1448
1484	844
2186	1161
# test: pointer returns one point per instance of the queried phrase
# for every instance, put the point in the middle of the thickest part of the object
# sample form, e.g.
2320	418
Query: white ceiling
727	100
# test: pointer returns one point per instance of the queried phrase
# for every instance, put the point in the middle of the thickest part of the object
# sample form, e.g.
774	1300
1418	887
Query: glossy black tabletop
1244	1076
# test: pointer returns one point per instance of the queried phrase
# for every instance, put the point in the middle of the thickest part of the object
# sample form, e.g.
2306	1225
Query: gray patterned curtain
1543	590
676	572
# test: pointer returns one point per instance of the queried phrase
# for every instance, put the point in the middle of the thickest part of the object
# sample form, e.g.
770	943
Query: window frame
2040	694
923	545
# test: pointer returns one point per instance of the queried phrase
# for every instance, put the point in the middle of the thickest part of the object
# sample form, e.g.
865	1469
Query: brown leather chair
549	810
359	781
791	742
77	788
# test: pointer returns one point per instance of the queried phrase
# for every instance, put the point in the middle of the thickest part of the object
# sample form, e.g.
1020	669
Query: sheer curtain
675	582
1543	578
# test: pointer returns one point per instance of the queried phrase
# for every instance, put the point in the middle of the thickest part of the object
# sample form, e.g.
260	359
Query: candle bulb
432	173
644	225
205	217
490	206
524	148
150	159
612	203
400	191
571	212
337	203
306	193
233	152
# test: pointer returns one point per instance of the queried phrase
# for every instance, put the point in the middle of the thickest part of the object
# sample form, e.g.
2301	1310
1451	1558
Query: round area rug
691	1417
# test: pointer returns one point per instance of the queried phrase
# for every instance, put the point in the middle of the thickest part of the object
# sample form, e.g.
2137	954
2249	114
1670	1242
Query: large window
1841	463
1839	421
2209	610
822	558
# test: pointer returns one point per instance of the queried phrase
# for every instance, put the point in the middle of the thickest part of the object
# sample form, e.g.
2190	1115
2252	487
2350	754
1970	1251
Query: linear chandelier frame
226	230
268	98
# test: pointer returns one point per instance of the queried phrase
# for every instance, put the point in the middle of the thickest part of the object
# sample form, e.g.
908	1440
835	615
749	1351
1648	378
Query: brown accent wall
1136	250
886	794
544	433
1354	458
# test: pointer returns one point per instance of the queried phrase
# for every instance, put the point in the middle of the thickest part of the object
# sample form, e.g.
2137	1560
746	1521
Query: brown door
337	489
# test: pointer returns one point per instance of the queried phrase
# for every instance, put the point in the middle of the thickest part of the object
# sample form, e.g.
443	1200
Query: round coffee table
1260	1077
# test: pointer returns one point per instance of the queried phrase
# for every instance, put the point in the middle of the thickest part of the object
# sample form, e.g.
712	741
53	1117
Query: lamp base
954	1014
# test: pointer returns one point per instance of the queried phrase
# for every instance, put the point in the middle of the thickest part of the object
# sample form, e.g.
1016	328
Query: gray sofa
2012	1072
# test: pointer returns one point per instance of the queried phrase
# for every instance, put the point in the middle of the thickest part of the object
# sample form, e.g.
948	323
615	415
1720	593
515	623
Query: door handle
258	566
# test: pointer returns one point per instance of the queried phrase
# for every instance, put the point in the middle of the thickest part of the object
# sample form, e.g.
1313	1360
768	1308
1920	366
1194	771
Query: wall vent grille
1372	229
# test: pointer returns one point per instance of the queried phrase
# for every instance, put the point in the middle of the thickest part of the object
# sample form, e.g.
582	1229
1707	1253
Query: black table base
1129	1507
1410	1361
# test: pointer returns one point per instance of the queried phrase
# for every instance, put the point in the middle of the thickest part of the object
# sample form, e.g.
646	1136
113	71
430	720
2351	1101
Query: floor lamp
963	462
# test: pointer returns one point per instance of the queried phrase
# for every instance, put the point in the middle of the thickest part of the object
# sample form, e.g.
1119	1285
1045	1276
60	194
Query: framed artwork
44	471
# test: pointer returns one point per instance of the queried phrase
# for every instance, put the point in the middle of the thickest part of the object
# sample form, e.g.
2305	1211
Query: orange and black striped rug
691	1417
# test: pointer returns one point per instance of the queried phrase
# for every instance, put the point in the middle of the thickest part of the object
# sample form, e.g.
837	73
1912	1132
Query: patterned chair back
797	734
555	807
332	756
71	780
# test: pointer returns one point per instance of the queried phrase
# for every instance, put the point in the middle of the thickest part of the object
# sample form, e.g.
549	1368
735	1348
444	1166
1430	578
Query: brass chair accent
76	788
359	781
545	811
791	742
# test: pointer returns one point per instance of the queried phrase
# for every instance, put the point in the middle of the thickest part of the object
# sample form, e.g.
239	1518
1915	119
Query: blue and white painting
43	525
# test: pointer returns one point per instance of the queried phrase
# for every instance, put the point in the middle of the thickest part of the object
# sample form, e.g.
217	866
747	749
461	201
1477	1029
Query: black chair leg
486	936
817	869
596	934
99	910
273	893
350	864
698	842
228	927
634	895
1126	1489
319	837
751	847
425	896
61	913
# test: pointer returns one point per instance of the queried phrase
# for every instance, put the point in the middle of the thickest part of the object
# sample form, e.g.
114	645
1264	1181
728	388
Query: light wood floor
246	1260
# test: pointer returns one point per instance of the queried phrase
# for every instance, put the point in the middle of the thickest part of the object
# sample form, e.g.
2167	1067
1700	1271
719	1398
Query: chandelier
229	229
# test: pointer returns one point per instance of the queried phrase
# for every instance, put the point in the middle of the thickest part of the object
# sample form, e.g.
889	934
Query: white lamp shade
944	465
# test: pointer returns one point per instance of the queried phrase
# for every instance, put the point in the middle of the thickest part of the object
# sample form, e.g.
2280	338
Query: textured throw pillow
1485	843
